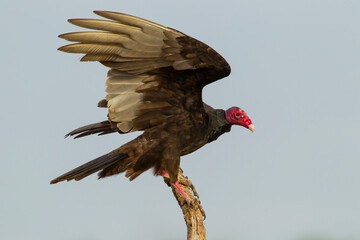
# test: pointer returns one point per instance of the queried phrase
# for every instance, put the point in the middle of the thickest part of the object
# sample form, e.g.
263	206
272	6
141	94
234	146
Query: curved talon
199	207
202	211
194	191
186	182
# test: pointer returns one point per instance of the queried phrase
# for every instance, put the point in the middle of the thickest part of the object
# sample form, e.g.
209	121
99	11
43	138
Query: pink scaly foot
177	186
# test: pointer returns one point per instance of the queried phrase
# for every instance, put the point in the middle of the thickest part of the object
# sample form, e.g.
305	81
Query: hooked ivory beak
252	127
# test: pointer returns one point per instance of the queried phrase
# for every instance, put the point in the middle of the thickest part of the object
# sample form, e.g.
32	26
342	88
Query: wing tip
98	12
63	48
56	180
104	13
60	179
71	20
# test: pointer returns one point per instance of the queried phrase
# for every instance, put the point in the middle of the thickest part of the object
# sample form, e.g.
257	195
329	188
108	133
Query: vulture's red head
237	116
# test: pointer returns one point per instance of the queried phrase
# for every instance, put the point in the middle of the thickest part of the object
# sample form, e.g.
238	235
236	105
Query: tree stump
194	215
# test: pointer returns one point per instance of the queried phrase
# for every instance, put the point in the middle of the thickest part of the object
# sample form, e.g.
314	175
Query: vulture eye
237	114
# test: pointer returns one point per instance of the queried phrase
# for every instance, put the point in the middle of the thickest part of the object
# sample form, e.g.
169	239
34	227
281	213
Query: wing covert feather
157	73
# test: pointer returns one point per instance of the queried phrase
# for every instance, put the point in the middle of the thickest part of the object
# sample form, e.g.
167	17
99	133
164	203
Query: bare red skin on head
237	116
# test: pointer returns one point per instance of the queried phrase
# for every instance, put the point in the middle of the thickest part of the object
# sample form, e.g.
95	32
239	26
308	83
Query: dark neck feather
217	124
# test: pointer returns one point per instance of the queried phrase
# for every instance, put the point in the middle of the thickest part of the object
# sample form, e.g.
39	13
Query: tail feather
101	128
91	167
134	157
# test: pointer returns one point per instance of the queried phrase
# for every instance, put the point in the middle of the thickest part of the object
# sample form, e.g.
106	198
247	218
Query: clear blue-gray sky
295	70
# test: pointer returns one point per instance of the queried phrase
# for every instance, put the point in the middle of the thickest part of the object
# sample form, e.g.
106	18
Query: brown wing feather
155	85
144	57
132	44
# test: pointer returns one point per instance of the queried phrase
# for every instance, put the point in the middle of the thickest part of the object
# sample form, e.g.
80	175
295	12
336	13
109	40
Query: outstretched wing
156	72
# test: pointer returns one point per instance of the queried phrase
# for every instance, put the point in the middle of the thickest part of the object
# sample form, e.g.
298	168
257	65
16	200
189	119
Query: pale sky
295	70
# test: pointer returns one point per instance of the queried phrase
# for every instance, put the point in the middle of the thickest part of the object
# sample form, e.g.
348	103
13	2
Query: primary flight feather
154	85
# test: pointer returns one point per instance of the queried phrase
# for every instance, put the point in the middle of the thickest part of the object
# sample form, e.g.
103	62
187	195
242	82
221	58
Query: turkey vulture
154	85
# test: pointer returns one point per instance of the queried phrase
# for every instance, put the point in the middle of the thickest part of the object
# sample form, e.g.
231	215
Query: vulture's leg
177	186
186	182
